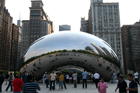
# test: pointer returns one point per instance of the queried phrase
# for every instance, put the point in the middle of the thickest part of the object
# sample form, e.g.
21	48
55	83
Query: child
102	86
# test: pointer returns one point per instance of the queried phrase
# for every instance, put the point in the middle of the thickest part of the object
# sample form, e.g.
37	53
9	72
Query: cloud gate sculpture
70	48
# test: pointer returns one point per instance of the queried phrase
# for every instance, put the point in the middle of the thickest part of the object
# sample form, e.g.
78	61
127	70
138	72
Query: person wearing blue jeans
75	79
114	77
84	74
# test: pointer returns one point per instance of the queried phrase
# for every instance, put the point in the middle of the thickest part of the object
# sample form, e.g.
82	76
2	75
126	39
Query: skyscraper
14	48
5	37
84	25
131	45
19	24
64	27
104	22
38	25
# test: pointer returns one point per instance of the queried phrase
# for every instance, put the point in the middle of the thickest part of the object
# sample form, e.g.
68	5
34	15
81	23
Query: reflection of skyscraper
64	27
39	24
104	22
90	49
5	37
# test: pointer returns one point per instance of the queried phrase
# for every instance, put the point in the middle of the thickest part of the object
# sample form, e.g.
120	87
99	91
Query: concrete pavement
90	88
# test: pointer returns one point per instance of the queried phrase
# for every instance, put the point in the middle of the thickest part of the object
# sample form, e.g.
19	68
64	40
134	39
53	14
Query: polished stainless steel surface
70	48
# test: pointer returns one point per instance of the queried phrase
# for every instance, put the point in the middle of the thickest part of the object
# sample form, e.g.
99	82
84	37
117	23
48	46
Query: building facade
39	25
64	27
5	37
14	48
84	25
104	22
131	46
19	55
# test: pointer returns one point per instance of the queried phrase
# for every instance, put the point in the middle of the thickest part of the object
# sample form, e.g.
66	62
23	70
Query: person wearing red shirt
17	84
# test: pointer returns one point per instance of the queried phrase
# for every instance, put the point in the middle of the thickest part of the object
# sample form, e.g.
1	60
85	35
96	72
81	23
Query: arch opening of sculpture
70	48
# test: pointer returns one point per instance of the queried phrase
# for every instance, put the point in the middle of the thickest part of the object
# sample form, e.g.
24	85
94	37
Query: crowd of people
26	83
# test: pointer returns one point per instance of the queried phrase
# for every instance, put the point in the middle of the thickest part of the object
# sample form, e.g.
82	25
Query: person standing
133	87
122	85
92	78
136	77
84	74
6	78
64	82
10	79
53	78
24	77
102	86
34	76
114	77
17	84
96	78
30	86
44	77
75	79
70	78
1	81
47	77
67	78
61	79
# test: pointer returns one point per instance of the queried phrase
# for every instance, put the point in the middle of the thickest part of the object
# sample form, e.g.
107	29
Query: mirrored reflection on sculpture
70	48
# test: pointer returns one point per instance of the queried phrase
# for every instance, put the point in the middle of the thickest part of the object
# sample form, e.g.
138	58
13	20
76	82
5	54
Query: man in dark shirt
122	85
133	87
24	77
1	81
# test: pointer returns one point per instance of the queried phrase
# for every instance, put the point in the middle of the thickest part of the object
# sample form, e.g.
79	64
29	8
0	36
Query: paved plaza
91	88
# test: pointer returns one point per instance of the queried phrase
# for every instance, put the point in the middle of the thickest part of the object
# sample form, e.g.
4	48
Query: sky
70	11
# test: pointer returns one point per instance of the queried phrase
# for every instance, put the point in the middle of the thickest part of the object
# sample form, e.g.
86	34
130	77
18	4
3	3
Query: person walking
10	79
47	77
133	87
30	86
17	84
75	79
61	79
24	77
96	78
122	85
6	78
114	77
1	81
102	86
136	74
53	78
84	74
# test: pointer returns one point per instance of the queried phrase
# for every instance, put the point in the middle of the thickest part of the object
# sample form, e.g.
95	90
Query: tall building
5	37
14	48
38	25
131	45
84	25
19	24
64	27
104	22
